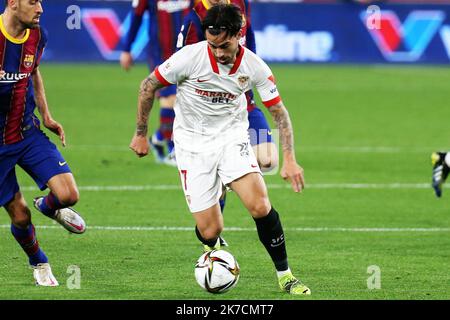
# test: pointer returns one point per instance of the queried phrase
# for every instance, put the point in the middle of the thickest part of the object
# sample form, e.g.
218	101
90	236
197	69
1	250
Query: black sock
209	243
271	234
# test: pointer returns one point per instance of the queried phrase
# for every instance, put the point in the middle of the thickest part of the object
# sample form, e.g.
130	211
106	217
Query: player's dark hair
223	18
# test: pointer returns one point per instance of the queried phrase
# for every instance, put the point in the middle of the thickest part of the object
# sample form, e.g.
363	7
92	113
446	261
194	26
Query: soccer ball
217	271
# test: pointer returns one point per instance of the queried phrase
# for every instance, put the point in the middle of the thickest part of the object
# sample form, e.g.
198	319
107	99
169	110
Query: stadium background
368	105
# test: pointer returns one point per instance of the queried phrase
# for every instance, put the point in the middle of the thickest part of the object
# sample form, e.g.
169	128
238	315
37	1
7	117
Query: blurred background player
441	169
166	19
259	130
22	142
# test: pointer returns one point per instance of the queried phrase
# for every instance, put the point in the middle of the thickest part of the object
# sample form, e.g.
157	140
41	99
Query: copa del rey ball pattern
217	271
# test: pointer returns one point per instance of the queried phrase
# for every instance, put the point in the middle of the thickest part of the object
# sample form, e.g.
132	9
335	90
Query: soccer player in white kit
211	133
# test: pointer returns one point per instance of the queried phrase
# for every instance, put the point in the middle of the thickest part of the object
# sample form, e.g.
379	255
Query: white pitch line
239	229
270	186
338	149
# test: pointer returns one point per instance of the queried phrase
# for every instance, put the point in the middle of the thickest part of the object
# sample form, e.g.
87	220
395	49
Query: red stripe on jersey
191	35
38	57
200	10
141	7
2	50
238	61
161	78
241	5
13	130
2	59
272	102
246	11
165	28
213	61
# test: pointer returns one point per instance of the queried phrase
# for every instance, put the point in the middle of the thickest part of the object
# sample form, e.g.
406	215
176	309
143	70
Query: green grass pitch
363	134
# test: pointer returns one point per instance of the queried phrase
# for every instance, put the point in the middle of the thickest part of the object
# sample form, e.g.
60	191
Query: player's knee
268	163
69	197
21	217
267	156
212	232
260	208
18	211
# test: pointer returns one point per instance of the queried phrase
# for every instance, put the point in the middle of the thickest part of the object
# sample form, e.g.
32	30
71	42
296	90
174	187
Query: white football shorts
203	175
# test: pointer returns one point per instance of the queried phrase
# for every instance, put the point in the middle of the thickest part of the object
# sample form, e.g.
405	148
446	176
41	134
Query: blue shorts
37	155
167	91
258	129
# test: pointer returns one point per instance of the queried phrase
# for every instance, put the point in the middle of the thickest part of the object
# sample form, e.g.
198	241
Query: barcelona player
166	19
22	143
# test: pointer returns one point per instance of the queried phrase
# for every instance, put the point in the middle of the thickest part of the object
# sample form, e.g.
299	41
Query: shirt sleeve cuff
272	102
161	78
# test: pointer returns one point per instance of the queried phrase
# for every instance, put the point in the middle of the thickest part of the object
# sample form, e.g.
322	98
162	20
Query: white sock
447	159
282	273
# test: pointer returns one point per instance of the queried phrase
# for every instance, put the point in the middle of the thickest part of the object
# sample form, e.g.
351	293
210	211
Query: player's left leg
252	191
441	170
238	170
45	164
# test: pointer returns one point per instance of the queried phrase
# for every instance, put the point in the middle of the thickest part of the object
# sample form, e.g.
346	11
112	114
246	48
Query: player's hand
139	144
293	173
57	129
126	60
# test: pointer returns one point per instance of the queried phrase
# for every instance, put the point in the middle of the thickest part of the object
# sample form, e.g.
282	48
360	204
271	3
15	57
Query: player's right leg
209	225
23	231
45	164
441	170
202	188
58	203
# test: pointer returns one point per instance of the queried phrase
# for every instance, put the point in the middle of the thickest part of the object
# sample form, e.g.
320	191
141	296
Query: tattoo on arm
145	103
283	123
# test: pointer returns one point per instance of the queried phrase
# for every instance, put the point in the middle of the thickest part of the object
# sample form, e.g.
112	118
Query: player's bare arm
42	105
290	170
147	93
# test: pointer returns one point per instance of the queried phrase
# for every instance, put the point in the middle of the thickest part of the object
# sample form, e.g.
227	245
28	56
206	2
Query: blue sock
170	146
167	116
159	136
28	241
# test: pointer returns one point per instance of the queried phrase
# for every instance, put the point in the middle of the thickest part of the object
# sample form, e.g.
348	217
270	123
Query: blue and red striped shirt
18	60
166	19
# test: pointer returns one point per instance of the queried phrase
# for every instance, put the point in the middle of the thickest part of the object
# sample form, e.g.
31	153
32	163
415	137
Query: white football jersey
210	107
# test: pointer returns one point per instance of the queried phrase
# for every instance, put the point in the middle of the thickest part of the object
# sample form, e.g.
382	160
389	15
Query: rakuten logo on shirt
6	77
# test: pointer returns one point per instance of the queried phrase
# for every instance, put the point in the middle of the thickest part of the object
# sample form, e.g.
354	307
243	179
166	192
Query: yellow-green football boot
292	285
